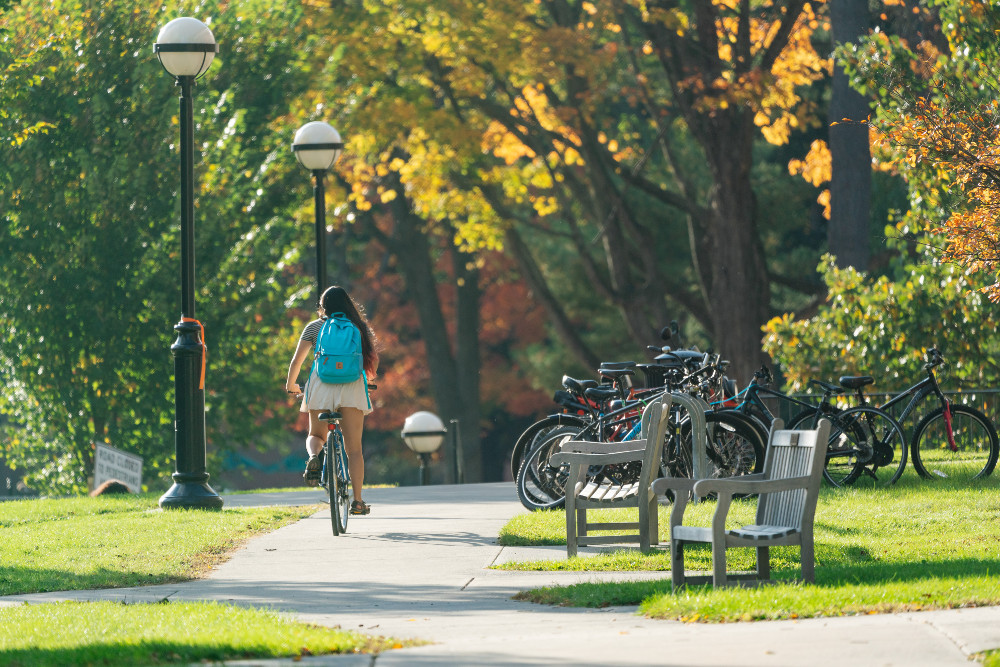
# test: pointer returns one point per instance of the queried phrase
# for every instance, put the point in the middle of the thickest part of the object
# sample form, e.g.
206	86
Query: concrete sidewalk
416	568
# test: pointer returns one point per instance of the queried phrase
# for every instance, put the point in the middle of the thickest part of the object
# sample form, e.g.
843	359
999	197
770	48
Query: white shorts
322	396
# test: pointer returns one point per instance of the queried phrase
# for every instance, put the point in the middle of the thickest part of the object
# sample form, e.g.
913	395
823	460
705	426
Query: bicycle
335	476
734	447
863	439
954	441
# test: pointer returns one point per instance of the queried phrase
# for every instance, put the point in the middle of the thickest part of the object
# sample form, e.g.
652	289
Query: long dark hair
336	300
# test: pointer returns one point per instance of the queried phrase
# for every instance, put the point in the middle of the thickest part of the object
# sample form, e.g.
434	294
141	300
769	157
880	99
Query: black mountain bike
954	441
864	440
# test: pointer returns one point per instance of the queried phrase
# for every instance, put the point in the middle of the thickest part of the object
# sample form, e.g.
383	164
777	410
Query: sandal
358	507
314	467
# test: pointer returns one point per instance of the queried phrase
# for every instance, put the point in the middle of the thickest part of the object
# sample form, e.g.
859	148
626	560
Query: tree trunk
414	251
850	187
739	290
467	354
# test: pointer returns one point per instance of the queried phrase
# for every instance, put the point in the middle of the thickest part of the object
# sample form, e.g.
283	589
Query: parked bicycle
864	440
734	448
954	441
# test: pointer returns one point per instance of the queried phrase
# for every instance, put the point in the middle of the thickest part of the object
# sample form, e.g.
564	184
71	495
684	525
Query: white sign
111	463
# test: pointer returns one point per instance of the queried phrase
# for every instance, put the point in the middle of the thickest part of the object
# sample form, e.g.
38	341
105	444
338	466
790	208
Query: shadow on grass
902	572
112	654
22	580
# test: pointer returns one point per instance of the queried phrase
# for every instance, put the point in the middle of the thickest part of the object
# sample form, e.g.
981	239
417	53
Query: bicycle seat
568	401
601	393
832	388
578	386
329	416
615	366
616	373
856	381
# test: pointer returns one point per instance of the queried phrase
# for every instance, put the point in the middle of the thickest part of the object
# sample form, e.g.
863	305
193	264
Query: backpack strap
368	397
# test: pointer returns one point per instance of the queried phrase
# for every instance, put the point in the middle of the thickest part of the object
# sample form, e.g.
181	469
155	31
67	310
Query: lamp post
317	145
423	432
186	48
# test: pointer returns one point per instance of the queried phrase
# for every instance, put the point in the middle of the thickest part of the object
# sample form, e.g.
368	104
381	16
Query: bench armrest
732	486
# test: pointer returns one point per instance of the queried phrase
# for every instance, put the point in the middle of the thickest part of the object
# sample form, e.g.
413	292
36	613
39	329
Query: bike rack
696	408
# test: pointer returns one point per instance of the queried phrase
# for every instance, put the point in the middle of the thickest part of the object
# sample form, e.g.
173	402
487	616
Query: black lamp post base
191	495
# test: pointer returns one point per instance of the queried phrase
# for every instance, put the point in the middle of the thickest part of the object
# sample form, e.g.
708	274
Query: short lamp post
186	48
423	432
317	145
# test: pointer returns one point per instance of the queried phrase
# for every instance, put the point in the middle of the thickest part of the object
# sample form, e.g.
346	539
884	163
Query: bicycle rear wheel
972	454
540	484
339	480
735	447
865	443
845	457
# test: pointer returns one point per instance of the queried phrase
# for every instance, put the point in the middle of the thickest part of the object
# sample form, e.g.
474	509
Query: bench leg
808	557
719	578
571	537
763	563
649	526
676	563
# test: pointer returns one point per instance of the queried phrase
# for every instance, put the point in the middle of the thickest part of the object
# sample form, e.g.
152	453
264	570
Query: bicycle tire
339	480
844	462
541	485
750	419
735	447
975	440
863	440
537	432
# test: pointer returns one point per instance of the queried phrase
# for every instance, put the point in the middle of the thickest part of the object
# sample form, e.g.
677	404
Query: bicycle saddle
856	381
577	386
601	393
832	388
615	366
568	401
616	373
329	416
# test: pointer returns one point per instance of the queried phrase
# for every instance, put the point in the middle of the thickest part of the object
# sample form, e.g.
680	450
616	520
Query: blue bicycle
335	477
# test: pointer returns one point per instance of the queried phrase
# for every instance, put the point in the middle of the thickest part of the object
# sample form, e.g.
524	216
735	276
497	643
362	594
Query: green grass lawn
111	634
118	541
85	543
917	545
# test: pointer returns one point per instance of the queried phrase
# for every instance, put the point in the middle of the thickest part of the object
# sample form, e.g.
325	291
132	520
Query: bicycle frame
752	399
916	393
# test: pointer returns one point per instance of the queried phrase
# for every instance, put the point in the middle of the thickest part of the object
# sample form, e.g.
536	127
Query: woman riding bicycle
350	399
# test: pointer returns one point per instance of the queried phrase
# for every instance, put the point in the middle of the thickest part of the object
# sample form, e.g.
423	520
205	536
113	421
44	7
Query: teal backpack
338	358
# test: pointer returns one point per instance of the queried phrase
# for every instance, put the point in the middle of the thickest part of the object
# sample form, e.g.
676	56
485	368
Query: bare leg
353	425
317	433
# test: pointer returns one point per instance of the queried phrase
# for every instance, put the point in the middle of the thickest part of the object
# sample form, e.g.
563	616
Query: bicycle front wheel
971	452
339	480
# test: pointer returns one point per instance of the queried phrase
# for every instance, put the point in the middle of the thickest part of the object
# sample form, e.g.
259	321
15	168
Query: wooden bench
786	505
585	492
